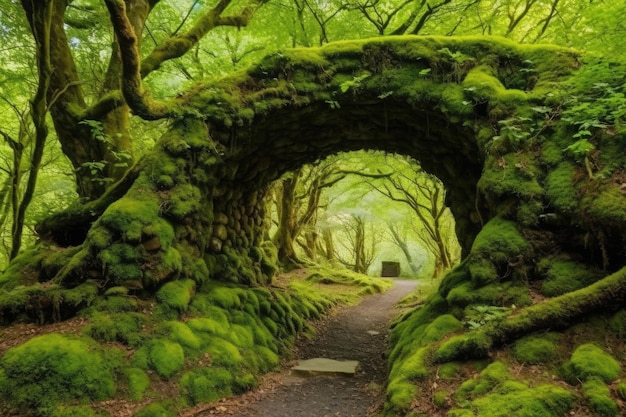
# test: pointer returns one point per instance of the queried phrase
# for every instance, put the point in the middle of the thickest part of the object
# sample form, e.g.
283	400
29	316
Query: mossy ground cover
191	343
578	370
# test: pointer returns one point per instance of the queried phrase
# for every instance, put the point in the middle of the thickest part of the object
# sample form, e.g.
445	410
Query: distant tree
424	195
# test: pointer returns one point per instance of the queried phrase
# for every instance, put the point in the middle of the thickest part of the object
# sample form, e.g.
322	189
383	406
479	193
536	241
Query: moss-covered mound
203	342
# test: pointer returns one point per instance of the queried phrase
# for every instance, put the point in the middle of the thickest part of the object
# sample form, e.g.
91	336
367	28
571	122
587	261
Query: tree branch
179	45
132	89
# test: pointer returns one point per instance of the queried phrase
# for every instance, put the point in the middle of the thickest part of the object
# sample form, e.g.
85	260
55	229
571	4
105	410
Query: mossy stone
177	294
206	384
590	361
539	401
53	368
599	398
138	383
182	334
536	350
166	358
116	327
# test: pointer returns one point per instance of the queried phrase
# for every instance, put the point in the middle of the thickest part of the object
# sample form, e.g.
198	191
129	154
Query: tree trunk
285	236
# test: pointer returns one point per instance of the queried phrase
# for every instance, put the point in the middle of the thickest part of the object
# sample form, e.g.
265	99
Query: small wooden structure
390	269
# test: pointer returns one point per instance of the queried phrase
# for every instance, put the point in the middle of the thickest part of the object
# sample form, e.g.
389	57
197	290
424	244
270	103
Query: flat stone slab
325	366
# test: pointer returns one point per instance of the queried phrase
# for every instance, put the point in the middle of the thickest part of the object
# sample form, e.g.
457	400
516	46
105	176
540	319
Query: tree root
559	312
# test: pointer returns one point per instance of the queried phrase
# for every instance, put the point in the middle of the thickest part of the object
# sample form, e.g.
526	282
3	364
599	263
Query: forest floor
354	333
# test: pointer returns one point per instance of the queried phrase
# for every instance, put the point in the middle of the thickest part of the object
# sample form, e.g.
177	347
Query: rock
325	366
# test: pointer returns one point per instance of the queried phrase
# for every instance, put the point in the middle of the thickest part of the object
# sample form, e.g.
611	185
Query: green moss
450	370
536	350
400	394
184	200
476	342
182	334
589	361
269	359
177	294
223	353
519	401
414	367
118	327
606	204
121	261
512	175
599	398
499	243
560	188
166	358
138	383
206	384
500	294
128	216
241	336
566	276
208	325
493	375
617	323
53	368
621	390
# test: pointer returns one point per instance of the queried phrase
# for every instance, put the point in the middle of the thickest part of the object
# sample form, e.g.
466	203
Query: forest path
355	333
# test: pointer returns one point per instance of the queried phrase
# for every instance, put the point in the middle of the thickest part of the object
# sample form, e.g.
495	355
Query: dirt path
355	333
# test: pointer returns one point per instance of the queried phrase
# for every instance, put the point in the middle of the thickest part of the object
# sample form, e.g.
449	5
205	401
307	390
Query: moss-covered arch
480	113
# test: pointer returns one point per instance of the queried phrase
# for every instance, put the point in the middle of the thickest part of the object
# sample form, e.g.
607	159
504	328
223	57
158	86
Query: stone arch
193	207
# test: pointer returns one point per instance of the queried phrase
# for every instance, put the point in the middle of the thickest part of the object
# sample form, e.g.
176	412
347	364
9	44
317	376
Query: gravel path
355	333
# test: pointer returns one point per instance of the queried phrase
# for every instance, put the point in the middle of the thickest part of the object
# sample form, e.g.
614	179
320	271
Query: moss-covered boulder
54	368
590	361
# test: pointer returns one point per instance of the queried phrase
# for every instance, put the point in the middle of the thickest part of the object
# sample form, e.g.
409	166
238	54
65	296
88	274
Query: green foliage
589	361
53	368
536	349
478	316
